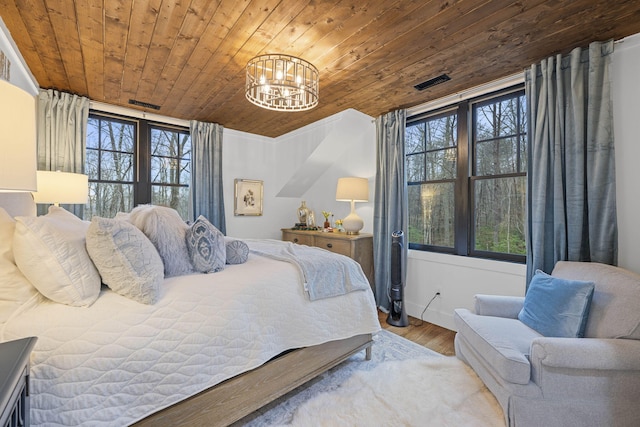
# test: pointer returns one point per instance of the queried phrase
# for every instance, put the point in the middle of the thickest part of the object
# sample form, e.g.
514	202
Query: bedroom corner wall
302	165
626	111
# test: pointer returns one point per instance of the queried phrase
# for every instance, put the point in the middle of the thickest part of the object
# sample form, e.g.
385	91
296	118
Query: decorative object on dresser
17	139
303	215
14	382
55	187
248	197
358	247
352	189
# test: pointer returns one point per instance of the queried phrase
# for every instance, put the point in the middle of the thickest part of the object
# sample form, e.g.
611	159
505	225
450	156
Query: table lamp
62	187
352	189
17	139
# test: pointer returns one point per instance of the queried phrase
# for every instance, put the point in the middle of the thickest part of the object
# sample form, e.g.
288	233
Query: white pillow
127	261
166	230
15	289
50	251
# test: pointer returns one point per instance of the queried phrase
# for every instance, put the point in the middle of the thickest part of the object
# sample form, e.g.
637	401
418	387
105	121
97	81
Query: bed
209	350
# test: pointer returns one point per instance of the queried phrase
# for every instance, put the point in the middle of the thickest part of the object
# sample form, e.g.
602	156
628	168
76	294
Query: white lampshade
17	139
62	187
352	189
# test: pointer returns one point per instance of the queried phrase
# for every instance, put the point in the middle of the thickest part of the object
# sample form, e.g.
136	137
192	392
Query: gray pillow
237	252
166	230
127	261
205	244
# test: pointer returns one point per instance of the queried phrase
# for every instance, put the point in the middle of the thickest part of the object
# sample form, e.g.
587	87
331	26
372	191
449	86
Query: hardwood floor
427	334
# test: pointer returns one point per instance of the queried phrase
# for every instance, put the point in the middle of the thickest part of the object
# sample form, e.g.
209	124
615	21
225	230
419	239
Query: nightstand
358	247
14	382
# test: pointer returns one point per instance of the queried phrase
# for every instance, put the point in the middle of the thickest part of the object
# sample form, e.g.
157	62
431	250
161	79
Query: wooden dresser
358	247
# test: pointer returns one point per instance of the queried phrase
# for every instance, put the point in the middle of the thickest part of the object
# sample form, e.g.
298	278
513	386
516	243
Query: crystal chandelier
282	83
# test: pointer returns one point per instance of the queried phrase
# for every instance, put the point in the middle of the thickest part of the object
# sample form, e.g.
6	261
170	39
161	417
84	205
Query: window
466	176
130	162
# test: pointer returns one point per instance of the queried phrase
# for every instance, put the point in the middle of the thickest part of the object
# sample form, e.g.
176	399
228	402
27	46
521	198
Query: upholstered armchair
557	381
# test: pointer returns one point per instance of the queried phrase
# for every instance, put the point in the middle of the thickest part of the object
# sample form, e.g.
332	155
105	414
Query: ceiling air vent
144	104
434	81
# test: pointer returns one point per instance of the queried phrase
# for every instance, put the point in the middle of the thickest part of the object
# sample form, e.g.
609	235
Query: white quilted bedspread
119	361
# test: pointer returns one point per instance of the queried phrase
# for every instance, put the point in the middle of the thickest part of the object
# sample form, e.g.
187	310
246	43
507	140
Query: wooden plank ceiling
189	56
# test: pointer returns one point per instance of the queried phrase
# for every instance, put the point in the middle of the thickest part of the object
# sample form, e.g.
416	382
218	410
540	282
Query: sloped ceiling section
348	129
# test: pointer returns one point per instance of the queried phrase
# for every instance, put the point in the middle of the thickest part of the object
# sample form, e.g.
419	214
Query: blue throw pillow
557	307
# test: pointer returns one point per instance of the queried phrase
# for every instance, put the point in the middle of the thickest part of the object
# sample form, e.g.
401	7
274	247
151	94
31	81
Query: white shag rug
440	391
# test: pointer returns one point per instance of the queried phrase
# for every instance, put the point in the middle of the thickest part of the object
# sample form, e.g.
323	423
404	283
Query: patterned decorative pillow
206	247
237	252
127	261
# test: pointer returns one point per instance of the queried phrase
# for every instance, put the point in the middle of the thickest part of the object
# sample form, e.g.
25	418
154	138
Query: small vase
327	224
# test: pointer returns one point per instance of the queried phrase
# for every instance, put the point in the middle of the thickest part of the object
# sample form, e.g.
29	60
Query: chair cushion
614	309
503	343
557	307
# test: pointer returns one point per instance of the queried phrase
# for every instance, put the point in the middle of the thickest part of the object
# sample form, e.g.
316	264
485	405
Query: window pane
415	168
93	133
414	138
498	156
431	214
499	223
441	164
166	170
108	199
91	164
170	160
498	119
172	196
441	132
117	136
116	166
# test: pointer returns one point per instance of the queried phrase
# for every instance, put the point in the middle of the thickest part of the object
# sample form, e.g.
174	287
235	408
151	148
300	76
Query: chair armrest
586	353
498	305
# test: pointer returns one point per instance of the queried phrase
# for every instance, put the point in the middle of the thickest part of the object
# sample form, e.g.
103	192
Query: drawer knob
295	240
329	245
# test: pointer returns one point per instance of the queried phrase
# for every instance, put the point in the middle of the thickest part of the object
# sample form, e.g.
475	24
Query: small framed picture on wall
248	197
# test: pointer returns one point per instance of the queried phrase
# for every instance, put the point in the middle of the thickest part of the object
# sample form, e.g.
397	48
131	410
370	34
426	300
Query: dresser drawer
338	246
300	239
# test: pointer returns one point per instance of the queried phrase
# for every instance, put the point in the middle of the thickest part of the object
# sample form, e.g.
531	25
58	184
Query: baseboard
439	318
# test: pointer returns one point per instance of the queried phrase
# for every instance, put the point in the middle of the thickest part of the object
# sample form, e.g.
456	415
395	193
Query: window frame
466	178
142	183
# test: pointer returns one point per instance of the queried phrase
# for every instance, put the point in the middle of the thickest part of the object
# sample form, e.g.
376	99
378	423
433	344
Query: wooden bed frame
239	396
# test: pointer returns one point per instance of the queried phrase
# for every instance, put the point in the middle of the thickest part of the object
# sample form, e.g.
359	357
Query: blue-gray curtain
62	135
390	208
206	173
571	169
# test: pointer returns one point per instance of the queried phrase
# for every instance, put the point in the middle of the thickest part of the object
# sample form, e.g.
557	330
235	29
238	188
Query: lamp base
352	223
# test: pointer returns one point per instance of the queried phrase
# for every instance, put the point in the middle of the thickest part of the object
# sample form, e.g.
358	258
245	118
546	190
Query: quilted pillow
556	307
237	252
127	261
166	230
15	289
206	246
50	251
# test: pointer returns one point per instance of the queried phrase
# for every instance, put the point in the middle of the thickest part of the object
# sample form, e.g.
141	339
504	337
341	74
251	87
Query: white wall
626	115
302	165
